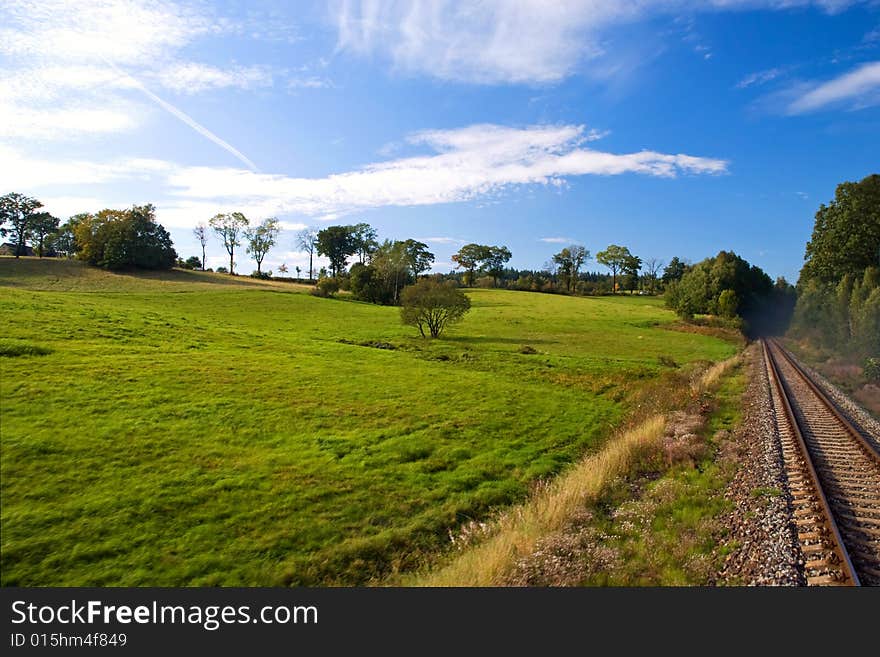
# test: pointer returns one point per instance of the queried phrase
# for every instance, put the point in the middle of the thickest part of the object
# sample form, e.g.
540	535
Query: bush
432	306
872	369
221	270
326	287
264	275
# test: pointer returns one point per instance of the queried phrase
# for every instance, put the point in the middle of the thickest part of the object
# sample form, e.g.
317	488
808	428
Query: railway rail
833	473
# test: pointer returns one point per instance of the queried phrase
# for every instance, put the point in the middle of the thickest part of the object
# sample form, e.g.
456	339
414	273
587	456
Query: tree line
838	304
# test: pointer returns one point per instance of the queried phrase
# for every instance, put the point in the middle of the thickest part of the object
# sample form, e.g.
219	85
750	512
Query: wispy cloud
497	41
442	240
759	78
187	120
194	77
466	164
68	81
857	89
557	240
312	82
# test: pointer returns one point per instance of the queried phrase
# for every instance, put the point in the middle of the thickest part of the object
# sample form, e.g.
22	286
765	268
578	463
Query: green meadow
189	428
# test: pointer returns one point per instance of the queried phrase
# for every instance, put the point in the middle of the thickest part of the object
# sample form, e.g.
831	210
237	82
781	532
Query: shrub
326	287
221	270
433	306
264	275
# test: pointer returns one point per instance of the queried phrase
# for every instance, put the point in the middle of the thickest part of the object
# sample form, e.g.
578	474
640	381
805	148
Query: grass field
198	429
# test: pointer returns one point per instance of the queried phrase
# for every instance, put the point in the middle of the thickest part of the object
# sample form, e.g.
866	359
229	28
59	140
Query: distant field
198	429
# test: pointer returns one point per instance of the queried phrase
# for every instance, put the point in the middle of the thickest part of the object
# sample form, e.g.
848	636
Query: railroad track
833	473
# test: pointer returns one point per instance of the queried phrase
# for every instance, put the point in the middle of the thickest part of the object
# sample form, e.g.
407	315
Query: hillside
199	429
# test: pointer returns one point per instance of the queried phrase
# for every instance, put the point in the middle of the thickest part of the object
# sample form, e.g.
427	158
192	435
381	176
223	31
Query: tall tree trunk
311	278
230	263
203	257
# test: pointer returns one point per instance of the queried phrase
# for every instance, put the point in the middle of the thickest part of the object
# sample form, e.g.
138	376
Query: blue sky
676	128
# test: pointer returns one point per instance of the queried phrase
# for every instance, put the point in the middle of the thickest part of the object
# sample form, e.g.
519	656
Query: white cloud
557	240
441	240
124	31
194	77
21	171
858	88
498	41
71	121
67	82
470	163
759	78
313	82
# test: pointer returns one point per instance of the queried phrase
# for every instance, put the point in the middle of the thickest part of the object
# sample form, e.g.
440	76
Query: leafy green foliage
432	306
725	285
124	239
838	304
393	265
18	211
327	286
480	257
262	238
469	258
337	243
569	261
43	224
230	228
617	259
674	271
846	235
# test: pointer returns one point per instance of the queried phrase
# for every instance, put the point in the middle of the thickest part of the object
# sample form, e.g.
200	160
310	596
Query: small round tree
432	306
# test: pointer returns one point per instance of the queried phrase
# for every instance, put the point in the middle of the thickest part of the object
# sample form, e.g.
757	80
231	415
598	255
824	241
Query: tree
63	240
229	228
298	270
365	243
727	303
846	235
307	240
494	260
124	239
701	289
43	224
193	262
18	210
261	239
469	258
418	257
569	262
652	268
616	259
631	268
336	243
674	271
201	234
433	305
283	268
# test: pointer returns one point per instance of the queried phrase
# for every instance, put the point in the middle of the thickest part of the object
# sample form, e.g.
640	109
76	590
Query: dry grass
516	533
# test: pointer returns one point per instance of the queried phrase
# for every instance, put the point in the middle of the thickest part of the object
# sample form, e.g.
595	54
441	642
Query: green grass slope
196	429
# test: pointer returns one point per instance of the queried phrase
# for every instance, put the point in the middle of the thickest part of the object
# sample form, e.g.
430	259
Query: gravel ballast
765	552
